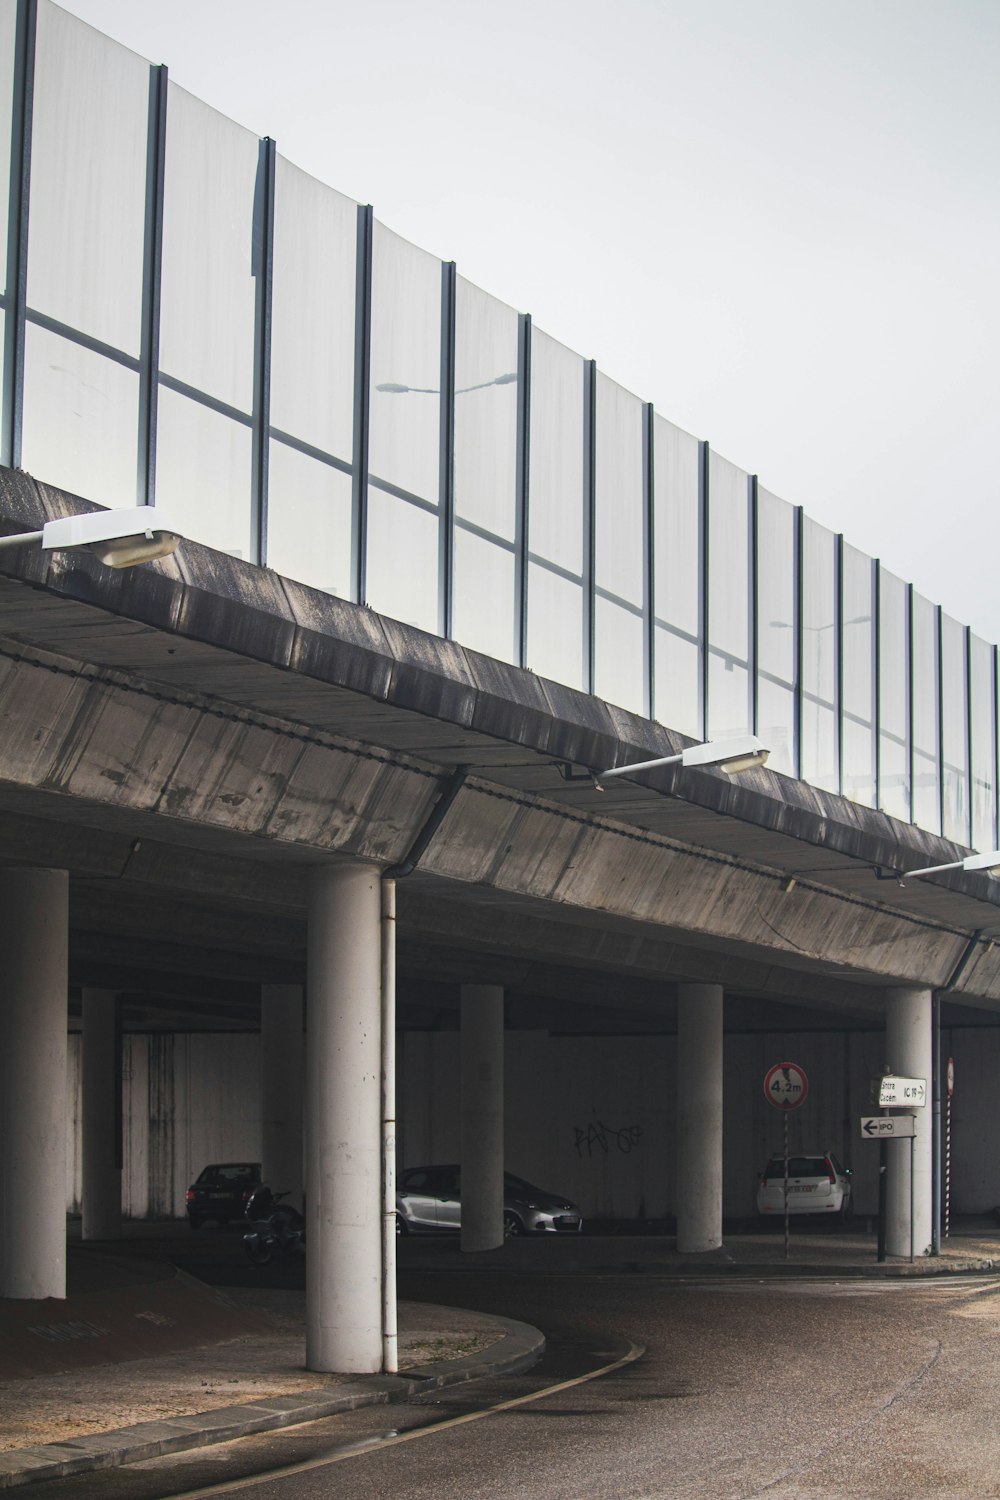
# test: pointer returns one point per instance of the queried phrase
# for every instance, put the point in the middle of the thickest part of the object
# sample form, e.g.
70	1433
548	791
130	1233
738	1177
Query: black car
221	1192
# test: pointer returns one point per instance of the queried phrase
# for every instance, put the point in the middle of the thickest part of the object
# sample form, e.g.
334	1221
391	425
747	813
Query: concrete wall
589	1116
188	1099
594	1116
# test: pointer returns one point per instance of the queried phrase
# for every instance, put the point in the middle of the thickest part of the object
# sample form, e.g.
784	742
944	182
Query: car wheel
846	1209
512	1225
402	1228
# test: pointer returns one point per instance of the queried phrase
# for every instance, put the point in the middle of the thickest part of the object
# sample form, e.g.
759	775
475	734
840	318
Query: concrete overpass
192	746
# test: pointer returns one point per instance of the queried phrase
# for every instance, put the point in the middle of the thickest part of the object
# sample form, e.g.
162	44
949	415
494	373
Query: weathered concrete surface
214	707
225	619
95	736
73	1421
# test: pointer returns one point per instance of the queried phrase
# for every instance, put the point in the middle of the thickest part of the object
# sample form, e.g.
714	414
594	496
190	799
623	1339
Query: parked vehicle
816	1185
277	1228
221	1192
430	1198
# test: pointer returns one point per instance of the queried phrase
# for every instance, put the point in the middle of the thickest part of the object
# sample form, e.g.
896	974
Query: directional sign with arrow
902	1093
888	1127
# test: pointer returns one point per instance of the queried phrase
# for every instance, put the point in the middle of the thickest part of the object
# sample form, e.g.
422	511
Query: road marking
390	1440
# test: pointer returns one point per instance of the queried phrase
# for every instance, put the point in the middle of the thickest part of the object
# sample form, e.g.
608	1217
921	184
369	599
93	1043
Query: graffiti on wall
599	1137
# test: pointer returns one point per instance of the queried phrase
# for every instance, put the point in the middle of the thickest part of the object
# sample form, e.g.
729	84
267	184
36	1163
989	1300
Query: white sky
776	219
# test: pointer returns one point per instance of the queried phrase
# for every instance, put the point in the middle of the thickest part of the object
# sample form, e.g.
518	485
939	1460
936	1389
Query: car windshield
798	1166
430	1180
514	1184
229	1174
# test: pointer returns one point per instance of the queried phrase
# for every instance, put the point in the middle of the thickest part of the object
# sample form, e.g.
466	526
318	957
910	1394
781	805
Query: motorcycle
278	1228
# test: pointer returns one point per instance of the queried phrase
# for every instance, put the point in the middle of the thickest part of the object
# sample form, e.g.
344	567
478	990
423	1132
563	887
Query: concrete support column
699	1117
482	1116
33	1086
343	1121
102	1173
281	1067
909	1048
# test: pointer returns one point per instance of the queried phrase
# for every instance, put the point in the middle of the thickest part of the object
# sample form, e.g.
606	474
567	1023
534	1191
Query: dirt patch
270	1361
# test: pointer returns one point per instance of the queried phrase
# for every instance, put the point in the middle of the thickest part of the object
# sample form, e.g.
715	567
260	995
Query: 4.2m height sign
786	1086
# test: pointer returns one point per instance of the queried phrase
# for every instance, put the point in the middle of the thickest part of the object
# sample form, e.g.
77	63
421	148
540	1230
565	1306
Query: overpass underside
193	740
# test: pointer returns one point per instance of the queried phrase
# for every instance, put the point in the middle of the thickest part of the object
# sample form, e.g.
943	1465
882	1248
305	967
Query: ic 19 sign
786	1086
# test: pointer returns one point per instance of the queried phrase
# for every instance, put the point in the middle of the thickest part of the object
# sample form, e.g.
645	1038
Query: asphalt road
866	1390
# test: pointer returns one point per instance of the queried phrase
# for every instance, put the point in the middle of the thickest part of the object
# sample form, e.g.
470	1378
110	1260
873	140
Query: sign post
896	1093
883	1183
950	1087
786	1087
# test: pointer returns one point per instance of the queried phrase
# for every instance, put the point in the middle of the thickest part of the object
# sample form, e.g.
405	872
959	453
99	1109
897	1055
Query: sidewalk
123	1373
141	1359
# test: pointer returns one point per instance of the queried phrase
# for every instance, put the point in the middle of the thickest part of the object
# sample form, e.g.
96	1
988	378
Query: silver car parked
430	1198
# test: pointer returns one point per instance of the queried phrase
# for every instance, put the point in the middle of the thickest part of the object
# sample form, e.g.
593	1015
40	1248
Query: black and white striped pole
950	1088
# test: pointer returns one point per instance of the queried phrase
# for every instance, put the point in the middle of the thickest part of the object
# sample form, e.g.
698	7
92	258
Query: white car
816	1185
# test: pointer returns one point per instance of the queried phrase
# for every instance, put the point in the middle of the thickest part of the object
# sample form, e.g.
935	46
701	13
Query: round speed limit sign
786	1086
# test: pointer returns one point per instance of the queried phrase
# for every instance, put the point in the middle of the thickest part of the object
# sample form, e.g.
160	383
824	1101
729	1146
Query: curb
521	1347
716	1269
923	1269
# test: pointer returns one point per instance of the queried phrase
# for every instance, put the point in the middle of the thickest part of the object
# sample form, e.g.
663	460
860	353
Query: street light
970	863
117	538
742	753
395	388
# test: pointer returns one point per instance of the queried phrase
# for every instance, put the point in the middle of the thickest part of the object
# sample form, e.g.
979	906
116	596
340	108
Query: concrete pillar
909	1045
699	1117
102	1173
33	1086
343	1121
281	1068
482	1116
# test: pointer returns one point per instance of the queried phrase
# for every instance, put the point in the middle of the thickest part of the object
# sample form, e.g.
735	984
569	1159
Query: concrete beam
206	621
97	741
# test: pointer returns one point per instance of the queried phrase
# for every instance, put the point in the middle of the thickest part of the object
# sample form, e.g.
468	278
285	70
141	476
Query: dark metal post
446	460
911	761
838	654
752	596
17	231
362	370
939	680
647	558
590	521
994	709
799	634
970	788
521	528
877	681
705	501
152	262
913	1143
263	270
873	656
